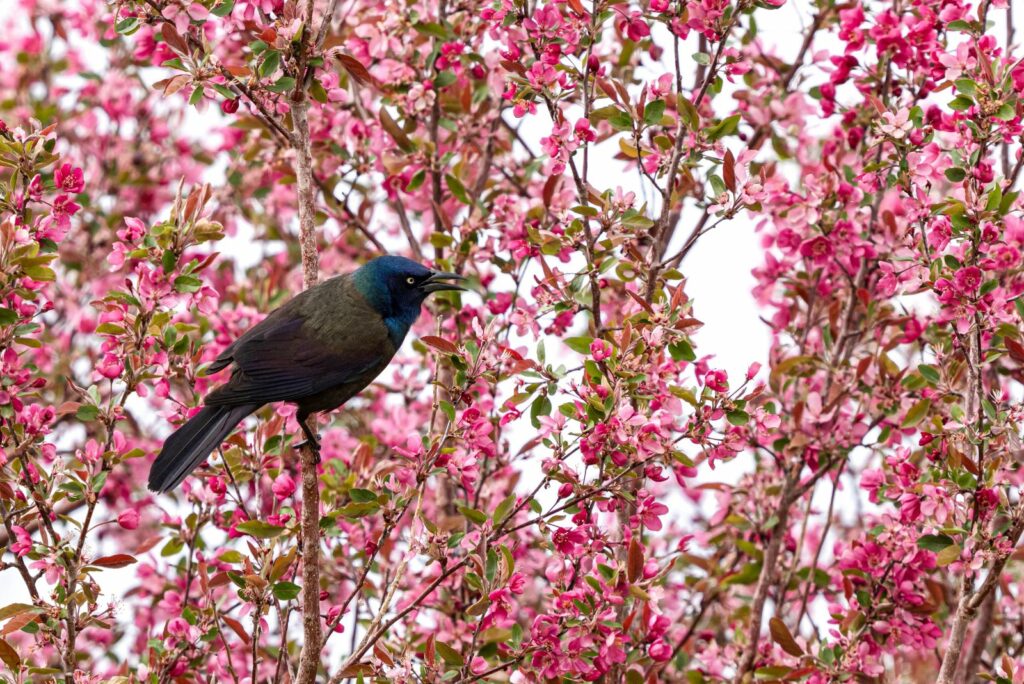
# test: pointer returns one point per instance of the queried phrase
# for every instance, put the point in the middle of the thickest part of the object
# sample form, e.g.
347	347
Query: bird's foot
314	445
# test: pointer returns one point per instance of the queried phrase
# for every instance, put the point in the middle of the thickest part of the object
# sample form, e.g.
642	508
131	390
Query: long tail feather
192	442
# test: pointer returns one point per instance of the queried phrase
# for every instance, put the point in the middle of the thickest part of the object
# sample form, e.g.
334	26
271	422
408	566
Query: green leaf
359	509
682	351
316	90
473	515
653	112
187	283
169	260
726	126
541	406
286	591
7	317
691	117
432	29
738	417
1006	112
127	27
961	26
930	373
503	508
271	60
580	345
934	542
966	86
172	547
223	9
282	85
43	274
457	189
223	91
197	95
917	412
960	103
449	654
259	529
362	495
955	174
87	413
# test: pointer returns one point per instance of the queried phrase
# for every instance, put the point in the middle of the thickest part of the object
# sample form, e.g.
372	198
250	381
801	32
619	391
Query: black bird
316	351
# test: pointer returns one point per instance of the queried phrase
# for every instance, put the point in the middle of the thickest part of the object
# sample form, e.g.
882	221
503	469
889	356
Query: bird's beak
436	282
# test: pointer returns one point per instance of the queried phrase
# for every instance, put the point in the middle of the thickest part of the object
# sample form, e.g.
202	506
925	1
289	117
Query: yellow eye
410	280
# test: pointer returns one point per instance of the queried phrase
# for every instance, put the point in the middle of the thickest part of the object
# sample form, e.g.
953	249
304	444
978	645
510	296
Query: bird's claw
314	446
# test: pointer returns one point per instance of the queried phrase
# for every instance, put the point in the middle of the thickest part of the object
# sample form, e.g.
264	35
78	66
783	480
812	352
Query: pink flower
134	229
717	380
660	651
967	280
600	350
567	541
110	366
649	511
128	519
283	487
69	178
24	541
818	249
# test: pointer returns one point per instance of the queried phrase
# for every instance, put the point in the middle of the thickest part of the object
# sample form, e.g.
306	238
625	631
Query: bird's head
397	286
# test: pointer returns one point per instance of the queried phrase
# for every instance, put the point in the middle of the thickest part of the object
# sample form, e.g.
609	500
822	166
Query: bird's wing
289	357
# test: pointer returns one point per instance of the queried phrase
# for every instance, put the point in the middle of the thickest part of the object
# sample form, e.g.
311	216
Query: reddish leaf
16	609
174	39
428	650
355	69
9	656
17	622
383	655
148	543
68	407
118	560
635	565
729	170
220	579
1015	348
173	85
782	636
440	344
237	628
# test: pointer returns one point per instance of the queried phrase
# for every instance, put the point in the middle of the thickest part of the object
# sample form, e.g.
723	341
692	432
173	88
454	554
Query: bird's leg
312	441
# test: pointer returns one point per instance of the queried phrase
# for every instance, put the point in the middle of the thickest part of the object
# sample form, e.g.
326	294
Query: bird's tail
193	442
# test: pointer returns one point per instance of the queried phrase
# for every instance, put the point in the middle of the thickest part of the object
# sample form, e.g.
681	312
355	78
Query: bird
317	351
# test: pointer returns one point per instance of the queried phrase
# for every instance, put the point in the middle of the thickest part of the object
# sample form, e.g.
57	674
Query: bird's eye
410	280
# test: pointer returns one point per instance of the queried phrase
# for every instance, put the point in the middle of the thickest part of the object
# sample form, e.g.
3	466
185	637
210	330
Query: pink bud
128	519
283	487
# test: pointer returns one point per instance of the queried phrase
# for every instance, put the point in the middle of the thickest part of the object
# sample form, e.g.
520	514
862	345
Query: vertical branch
309	657
970	664
967	599
768	567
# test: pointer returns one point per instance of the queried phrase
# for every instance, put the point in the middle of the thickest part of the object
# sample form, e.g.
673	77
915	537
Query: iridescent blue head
396	287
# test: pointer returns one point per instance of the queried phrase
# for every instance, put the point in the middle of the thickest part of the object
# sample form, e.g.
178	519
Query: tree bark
309	657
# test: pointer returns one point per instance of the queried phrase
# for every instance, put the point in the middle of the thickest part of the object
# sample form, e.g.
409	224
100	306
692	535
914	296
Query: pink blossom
284	486
128	519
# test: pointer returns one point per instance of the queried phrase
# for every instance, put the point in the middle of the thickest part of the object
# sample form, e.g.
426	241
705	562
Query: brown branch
970	665
309	656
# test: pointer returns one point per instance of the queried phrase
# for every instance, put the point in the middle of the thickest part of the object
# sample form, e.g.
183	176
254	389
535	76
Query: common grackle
316	351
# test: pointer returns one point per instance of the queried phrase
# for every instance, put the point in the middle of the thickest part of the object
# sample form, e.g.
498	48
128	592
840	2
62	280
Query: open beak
436	282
